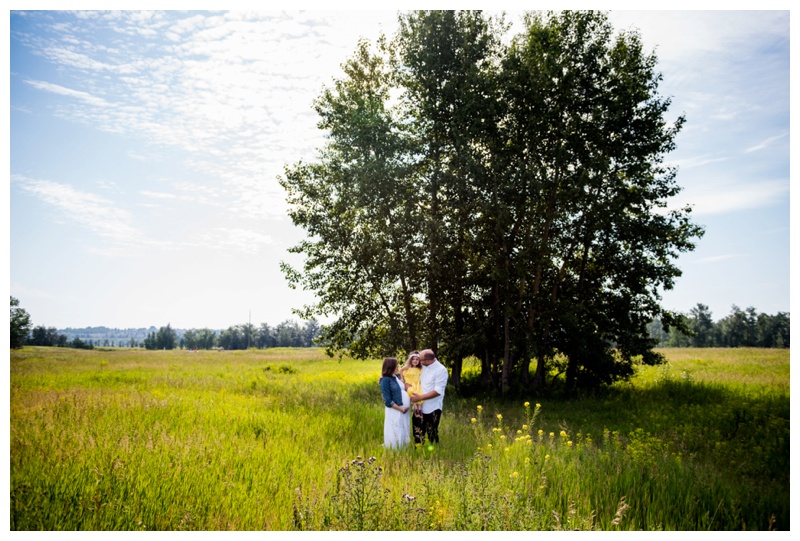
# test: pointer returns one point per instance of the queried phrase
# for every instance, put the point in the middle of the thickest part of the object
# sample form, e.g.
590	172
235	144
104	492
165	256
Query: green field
288	439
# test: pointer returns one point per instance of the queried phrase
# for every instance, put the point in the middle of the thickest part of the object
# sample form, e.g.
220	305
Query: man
432	382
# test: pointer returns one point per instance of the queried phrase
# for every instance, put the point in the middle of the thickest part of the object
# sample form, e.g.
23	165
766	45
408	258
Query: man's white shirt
433	377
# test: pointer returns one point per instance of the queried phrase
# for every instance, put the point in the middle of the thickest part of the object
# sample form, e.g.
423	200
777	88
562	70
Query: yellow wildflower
480	408
499	417
524	427
563	434
547	457
538	406
473	420
527	404
540	432
569	443
552	435
519	431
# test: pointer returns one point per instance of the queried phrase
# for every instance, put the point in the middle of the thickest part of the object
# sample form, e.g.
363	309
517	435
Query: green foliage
282	369
741	328
168	440
359	494
505	201
199	339
47	336
165	338
77	343
20	324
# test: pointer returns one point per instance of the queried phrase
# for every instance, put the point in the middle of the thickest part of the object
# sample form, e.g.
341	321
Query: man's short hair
427	355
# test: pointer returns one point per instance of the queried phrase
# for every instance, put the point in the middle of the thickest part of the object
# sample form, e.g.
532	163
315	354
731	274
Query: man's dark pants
430	426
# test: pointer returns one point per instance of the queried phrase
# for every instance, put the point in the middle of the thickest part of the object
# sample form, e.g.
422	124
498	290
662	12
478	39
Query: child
411	371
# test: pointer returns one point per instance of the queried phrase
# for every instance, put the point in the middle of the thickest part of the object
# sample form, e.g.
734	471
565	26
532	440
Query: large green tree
20	324
586	134
502	201
358	203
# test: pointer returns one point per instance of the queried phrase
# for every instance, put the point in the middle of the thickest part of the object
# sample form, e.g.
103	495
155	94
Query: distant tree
20	324
46	336
741	328
265	337
166	338
679	334
77	343
38	336
287	334
190	339
734	328
773	331
233	338
657	332
310	332
702	325
150	340
206	338
248	335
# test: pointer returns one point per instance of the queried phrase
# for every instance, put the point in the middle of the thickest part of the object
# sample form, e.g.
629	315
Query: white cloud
77	94
158	195
232	90
87	209
237	239
686	36
717	197
70	58
767	142
696	161
718	258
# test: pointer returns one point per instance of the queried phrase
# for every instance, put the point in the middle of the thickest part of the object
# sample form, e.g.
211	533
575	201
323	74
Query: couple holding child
420	382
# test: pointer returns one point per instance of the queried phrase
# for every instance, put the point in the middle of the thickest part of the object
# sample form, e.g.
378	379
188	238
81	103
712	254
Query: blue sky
144	151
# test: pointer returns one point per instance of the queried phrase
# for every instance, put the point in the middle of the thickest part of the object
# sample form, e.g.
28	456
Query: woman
395	398
410	373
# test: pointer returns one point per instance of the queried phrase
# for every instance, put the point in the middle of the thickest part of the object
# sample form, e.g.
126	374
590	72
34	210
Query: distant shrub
282	369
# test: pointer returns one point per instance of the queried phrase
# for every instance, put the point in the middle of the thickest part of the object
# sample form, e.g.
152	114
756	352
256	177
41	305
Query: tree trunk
458	360
455	371
506	374
412	330
538	376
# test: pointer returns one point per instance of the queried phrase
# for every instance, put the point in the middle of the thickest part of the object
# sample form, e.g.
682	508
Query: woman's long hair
389	367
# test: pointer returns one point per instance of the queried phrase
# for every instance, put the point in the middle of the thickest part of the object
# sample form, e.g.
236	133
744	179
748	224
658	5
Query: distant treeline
741	328
289	333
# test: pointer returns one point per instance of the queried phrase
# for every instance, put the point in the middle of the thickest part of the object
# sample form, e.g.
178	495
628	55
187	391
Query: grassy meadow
288	439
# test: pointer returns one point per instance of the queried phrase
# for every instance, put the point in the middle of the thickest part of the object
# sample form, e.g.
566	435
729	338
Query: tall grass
288	439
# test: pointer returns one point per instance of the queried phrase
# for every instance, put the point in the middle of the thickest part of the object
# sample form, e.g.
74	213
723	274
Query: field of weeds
288	439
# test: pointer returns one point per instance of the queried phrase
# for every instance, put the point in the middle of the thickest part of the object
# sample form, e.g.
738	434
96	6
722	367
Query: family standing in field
416	390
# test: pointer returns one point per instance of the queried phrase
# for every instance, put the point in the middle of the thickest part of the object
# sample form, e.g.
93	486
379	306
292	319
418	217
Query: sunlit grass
754	367
251	440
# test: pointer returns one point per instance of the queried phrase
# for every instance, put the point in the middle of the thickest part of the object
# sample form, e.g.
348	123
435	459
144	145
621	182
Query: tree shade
506	201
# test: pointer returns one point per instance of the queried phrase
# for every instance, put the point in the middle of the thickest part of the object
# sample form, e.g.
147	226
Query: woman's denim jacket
390	389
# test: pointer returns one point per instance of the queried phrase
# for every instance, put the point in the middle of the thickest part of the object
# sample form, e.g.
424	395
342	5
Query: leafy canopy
503	200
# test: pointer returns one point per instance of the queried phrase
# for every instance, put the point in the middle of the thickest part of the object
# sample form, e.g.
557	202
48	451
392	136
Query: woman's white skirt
396	425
